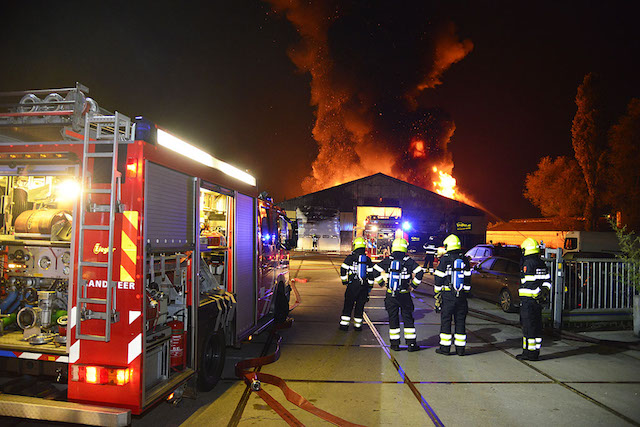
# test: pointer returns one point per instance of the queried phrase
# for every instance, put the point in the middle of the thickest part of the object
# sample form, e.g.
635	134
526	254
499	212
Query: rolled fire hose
254	380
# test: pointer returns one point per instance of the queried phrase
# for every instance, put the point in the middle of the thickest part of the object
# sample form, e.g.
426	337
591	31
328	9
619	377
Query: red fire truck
379	232
130	259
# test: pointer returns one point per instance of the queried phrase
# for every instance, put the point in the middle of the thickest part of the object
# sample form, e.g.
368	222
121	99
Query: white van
591	241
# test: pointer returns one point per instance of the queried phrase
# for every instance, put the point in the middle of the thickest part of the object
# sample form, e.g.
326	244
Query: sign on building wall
463	226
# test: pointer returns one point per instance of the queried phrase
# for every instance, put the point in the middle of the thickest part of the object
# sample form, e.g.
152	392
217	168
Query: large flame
446	186
369	91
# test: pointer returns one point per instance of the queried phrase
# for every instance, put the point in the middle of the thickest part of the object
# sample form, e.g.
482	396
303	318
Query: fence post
558	291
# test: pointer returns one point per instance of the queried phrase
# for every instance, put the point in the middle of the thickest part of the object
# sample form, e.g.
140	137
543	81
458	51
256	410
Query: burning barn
382	206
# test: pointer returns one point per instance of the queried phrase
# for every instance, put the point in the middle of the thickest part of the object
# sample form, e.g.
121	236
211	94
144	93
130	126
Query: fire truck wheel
281	303
211	361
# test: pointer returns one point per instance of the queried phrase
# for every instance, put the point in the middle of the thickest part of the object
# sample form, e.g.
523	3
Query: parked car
481	252
497	279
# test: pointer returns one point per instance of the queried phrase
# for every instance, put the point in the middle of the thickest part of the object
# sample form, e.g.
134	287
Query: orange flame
446	186
417	149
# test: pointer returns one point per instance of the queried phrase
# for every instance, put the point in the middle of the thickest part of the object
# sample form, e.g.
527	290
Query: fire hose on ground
255	379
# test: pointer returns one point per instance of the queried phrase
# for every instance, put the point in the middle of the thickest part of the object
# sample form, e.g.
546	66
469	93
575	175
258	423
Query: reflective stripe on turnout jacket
349	268
534	276
445	268
408	267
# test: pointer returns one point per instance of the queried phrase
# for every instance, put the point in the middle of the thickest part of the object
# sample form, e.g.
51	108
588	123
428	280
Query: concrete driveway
355	376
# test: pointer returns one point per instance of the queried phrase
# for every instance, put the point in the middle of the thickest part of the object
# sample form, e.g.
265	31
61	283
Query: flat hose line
254	380
405	378
425	405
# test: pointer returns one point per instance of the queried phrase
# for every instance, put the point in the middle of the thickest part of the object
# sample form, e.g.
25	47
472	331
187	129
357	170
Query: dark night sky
219	76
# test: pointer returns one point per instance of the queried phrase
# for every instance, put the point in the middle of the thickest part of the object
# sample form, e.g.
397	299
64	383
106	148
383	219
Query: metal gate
589	289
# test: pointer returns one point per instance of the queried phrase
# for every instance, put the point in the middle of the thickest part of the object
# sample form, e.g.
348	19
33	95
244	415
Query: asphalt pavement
355	376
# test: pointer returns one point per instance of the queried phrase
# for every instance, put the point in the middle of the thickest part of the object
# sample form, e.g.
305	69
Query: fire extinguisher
178	338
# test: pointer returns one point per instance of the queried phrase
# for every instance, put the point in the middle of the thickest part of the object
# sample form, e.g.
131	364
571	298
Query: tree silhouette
589	142
557	188
624	165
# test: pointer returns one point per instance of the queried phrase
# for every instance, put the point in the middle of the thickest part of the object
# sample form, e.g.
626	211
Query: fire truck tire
211	361
281	303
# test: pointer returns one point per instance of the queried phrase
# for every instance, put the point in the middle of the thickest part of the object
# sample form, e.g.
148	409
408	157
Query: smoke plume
369	62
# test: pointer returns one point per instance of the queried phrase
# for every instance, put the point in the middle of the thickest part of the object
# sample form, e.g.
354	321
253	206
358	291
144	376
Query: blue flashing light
406	226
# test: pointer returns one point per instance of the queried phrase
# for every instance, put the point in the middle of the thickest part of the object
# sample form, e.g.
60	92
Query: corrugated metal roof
537	224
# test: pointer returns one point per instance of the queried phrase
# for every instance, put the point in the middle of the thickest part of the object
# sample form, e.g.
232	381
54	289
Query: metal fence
589	289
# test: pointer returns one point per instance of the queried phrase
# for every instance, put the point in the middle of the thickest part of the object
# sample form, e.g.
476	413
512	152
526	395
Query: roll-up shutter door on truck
244	283
169	209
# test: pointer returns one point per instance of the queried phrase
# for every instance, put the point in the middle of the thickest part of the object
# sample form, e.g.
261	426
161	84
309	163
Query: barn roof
377	190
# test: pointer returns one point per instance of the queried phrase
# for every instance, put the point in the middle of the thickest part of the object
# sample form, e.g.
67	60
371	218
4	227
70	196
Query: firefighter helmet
399	245
359	242
530	246
452	242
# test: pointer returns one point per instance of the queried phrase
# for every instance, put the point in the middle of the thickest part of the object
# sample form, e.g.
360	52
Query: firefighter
314	242
452	283
430	256
535	285
398	269
356	272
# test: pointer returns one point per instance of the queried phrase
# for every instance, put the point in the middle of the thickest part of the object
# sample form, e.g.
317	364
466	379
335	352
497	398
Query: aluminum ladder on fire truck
109	131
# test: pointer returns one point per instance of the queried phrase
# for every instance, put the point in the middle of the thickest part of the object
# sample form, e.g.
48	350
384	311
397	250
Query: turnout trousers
401	303
428	262
531	321
455	308
355	295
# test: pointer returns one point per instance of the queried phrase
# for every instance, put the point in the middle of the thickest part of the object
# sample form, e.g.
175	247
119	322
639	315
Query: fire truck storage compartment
37	205
156	366
214	237
169	235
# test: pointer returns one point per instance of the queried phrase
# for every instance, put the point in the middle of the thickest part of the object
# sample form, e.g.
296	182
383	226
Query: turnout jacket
349	269
535	280
408	267
430	248
445	270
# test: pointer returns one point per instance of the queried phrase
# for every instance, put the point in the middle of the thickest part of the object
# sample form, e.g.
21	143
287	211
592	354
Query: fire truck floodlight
171	142
68	190
406	226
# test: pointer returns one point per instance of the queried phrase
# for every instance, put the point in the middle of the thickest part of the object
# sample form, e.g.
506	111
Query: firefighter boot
344	323
524	355
445	350
459	350
412	345
534	355
395	345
